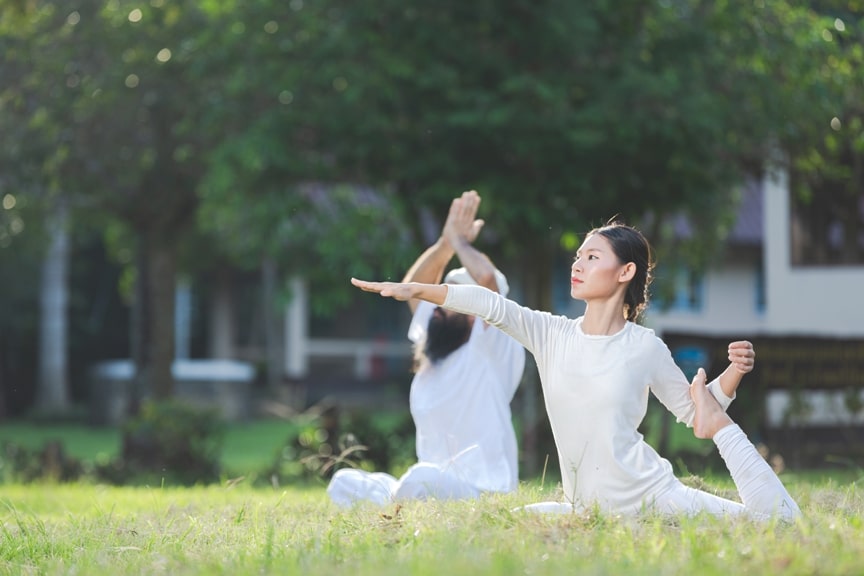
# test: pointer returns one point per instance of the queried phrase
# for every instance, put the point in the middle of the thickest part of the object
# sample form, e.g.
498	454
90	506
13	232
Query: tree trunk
537	270
162	261
2	378
52	395
272	341
140	331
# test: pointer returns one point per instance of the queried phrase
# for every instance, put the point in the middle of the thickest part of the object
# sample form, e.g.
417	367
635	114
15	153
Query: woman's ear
627	272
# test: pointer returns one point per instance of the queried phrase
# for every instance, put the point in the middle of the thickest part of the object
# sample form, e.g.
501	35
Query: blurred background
187	187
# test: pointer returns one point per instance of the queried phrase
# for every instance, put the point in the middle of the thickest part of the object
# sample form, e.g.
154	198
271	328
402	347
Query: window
827	228
681	291
759	288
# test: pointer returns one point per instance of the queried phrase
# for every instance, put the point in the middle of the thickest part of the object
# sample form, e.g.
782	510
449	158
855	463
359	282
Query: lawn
241	530
248	446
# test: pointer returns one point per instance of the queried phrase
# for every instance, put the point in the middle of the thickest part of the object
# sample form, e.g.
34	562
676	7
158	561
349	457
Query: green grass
253	445
95	530
249	446
78	441
240	529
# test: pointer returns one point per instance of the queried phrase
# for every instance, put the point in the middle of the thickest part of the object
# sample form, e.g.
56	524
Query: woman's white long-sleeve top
596	393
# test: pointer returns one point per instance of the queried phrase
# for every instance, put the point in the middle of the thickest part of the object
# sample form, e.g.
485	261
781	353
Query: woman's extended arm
528	327
434	293
671	387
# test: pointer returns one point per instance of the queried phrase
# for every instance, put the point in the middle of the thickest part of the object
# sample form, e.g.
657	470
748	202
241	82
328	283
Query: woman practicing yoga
596	372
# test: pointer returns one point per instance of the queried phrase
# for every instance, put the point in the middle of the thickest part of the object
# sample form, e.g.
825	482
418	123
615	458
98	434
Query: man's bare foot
710	417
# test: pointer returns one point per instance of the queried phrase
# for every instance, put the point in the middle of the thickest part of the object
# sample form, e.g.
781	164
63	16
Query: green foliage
172	441
21	243
826	156
19	464
326	233
562	114
103	110
247	448
333	440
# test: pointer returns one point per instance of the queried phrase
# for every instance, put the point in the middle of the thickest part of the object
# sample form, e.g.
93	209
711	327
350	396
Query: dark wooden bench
804	401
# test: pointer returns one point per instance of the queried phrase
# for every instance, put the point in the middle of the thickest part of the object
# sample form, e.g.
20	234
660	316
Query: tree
272	191
563	114
24	187
826	157
108	85
20	248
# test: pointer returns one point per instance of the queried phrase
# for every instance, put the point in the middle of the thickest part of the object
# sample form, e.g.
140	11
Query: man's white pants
423	481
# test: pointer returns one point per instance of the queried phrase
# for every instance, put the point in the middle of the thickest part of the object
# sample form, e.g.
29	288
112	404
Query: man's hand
461	225
742	356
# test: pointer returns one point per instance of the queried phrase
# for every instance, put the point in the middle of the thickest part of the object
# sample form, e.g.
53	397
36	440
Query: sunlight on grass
79	441
250	446
66	529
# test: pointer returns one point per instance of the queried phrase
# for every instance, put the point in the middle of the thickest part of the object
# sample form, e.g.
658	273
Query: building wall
729	304
805	300
807	326
799	301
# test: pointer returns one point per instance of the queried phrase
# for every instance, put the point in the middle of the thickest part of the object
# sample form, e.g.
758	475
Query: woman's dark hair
630	245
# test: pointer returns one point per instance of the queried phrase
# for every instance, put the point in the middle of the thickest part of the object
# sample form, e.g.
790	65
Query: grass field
248	446
239	530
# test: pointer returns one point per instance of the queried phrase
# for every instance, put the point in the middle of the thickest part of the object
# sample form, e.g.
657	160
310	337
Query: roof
748	229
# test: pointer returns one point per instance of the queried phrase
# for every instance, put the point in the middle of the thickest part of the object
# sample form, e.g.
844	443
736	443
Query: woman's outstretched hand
389	289
435	293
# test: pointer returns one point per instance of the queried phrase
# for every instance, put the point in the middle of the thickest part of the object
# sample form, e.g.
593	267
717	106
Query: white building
752	290
763	292
806	395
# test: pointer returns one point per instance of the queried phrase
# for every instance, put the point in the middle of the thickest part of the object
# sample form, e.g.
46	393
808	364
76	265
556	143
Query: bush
332	440
19	464
169	440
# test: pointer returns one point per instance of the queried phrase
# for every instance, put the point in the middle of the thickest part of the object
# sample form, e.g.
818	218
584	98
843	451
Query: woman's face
596	272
